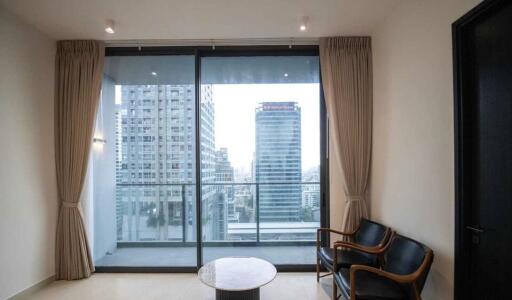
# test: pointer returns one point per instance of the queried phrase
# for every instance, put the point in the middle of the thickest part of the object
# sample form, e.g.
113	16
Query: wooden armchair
369	235
401	275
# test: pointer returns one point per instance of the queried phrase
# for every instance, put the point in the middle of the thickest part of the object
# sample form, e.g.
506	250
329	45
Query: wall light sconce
99	141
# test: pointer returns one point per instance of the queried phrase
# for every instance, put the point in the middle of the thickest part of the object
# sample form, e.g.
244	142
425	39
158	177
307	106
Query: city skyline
156	145
239	139
235	126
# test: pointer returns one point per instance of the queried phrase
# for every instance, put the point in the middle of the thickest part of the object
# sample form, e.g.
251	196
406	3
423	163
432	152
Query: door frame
261	51
227	51
462	208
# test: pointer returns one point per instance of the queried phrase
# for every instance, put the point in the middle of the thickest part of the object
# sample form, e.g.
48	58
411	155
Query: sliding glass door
260	157
202	153
147	218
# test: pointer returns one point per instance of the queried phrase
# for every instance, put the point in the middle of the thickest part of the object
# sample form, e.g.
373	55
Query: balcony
156	223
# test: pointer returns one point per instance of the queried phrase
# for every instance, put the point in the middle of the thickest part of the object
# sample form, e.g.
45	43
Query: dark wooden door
483	113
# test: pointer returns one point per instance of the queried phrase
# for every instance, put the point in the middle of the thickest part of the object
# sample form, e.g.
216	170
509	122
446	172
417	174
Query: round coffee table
237	278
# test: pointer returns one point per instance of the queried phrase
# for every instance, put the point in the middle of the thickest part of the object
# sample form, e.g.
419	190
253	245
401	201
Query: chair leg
334	289
317	269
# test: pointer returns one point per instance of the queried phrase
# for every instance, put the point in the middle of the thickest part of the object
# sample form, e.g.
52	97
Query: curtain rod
213	42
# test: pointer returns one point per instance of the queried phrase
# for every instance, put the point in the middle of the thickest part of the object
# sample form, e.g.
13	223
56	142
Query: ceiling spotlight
154	73
285	74
304	23
109	27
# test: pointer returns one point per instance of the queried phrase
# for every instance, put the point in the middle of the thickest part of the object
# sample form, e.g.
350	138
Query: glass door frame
236	51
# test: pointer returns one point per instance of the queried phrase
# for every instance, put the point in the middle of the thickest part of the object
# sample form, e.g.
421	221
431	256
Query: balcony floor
186	256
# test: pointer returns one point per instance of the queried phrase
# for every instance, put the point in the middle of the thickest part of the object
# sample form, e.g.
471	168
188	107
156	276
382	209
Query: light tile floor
296	286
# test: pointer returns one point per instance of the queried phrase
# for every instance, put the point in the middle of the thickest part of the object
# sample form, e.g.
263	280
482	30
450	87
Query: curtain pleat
346	66
78	75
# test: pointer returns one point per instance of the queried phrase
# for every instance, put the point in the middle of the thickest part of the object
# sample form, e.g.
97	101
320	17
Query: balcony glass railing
231	212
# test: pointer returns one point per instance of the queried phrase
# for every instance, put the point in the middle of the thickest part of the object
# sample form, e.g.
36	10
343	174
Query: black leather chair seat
369	286
346	258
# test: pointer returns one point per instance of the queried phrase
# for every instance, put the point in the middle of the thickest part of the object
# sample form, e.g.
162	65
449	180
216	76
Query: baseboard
26	293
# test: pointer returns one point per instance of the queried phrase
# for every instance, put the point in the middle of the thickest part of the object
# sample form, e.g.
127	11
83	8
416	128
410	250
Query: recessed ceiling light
109	27
154	73
285	74
304	23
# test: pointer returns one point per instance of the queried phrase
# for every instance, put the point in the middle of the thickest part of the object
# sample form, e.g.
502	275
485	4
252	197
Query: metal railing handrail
183	199
218	183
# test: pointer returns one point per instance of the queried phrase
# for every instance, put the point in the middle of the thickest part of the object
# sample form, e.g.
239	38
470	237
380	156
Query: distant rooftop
270	106
274	227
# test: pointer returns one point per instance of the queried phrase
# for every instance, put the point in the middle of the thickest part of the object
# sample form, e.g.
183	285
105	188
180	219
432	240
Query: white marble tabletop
237	273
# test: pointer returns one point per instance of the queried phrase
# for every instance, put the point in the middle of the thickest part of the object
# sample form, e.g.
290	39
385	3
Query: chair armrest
408	278
342	244
371	250
337	231
379	249
320	230
392	276
379	272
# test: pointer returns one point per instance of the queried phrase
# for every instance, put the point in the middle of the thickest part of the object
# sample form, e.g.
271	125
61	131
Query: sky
235	106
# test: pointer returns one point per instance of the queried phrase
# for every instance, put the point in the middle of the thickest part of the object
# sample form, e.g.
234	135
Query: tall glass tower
278	161
155	151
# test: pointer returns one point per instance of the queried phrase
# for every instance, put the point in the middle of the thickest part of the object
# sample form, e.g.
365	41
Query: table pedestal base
237	295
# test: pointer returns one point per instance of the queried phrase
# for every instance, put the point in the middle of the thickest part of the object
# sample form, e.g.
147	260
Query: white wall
412	183
28	196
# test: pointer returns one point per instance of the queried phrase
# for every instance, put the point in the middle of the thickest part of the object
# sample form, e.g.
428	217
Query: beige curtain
78	74
346	64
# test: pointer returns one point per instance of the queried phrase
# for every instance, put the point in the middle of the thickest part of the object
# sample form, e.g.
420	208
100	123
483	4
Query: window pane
260	157
148	208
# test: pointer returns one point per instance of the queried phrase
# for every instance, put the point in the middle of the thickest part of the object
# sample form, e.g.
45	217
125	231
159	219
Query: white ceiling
195	19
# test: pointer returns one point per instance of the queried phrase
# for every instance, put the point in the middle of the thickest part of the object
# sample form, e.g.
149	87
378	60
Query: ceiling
195	19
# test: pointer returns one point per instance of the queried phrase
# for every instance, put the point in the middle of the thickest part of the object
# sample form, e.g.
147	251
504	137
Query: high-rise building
224	175
278	161
156	160
311	196
311	191
244	204
213	205
223	169
157	134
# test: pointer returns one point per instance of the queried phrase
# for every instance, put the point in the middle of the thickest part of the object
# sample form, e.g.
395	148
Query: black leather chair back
404	256
370	233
